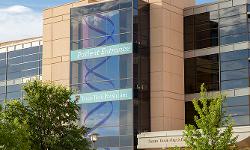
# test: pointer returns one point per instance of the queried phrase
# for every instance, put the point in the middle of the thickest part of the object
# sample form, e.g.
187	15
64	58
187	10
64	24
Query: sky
23	18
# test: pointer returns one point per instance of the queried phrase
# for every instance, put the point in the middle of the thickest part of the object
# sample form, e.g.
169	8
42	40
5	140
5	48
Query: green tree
215	130
13	129
50	117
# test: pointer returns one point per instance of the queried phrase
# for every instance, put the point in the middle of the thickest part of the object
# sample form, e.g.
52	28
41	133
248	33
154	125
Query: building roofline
88	1
201	5
16	42
206	4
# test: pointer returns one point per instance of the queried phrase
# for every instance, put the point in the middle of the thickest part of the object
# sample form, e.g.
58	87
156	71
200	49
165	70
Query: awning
167	139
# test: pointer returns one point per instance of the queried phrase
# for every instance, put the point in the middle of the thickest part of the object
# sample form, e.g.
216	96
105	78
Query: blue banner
112	50
104	96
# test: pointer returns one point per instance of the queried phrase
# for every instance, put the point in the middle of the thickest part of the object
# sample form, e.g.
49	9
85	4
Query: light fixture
94	137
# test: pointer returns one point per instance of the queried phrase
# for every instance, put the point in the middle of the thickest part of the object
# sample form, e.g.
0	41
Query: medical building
137	65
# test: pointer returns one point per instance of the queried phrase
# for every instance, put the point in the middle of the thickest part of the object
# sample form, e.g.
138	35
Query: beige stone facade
56	39
167	64
167	57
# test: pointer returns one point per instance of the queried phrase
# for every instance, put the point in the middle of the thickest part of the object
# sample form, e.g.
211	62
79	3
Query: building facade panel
110	70
167	81
224	29
20	61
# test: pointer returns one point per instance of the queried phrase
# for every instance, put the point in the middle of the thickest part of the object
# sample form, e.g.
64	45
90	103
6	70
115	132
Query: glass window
108	131
102	69
126	118
190	113
109	141
203	17
241	120
207	71
232	11
233	39
126	130
248	8
234	65
206	43
124	38
14	95
125	3
212	24
234	84
100	28
236	29
2	98
234	55
2	77
125	66
125	21
31	50
2	70
2	56
30	65
237	110
126	141
201	31
14	88
2	63
32	57
15	75
236	101
16	53
198	70
16	60
31	72
15	68
207	34
2	90
235	74
108	113
238	19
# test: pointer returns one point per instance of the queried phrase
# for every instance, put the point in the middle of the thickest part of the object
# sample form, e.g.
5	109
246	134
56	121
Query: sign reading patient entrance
104	96
112	50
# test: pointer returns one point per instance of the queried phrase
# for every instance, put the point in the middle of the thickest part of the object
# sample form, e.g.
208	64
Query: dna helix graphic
92	71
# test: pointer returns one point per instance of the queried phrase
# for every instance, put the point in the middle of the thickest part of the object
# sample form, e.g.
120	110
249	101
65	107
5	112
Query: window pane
33	57
236	111
13	88
241	120
234	55
16	53
2	77
15	68
14	75
31	72
233	20
232	11
30	50
234	39
16	60
236	101
14	95
2	56
2	90
234	84
236	29
235	74
125	21
234	65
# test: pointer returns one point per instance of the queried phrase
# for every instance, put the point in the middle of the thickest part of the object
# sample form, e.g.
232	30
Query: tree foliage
49	118
13	129
214	130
